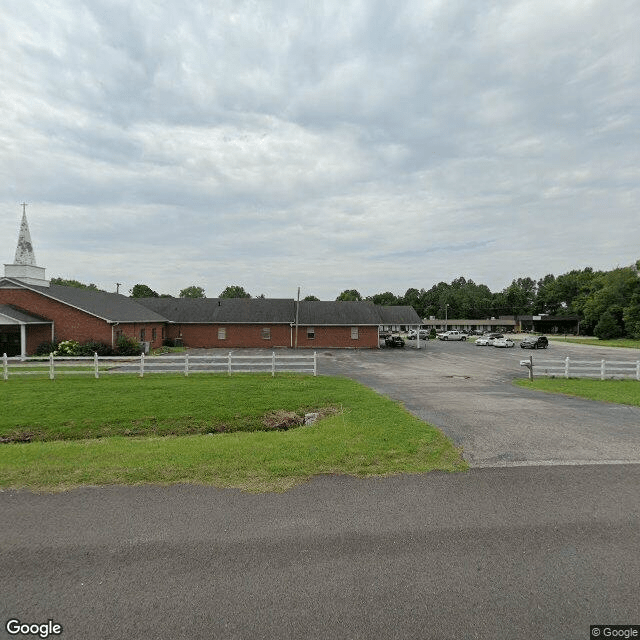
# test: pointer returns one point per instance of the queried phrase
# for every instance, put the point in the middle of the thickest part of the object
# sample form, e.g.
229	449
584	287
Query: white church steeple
24	264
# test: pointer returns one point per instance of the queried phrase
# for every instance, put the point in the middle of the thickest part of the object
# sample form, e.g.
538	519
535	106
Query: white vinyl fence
183	364
572	368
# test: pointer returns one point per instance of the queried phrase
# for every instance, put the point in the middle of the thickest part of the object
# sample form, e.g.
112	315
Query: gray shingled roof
223	310
114	307
399	315
111	307
21	316
338	313
278	311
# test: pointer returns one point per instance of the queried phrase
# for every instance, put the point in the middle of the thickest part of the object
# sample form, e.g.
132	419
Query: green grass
619	342
616	391
371	435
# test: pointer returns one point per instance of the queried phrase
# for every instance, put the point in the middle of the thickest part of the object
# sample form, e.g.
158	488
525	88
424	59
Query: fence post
229	363
531	368
566	367
142	365
186	364
52	371
95	364
602	369
315	363
5	368
637	368
273	364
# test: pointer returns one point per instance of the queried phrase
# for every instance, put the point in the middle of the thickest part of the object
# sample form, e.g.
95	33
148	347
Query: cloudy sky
329	145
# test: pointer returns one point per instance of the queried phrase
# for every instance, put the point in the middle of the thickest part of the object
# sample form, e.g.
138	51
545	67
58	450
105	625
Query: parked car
412	335
503	342
452	335
488	338
394	341
534	342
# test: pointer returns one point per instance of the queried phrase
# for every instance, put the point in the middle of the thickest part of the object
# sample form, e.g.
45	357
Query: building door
10	341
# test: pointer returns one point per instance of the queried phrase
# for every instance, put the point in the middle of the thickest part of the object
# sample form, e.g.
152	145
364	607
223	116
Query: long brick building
34	311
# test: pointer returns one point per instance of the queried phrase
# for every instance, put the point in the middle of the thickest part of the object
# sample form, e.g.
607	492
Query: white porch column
23	340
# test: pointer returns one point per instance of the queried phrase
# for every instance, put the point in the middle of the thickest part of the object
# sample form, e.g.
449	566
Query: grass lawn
619	342
206	429
618	391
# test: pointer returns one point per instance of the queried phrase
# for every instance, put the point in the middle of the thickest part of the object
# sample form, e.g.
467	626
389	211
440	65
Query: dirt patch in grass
283	420
278	420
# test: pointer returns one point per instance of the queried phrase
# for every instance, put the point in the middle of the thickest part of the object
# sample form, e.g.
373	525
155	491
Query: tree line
606	302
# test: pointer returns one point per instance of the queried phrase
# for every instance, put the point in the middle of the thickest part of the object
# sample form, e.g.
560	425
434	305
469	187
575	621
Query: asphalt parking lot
467	392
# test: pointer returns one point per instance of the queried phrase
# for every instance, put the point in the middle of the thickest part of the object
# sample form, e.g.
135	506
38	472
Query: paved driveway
467	392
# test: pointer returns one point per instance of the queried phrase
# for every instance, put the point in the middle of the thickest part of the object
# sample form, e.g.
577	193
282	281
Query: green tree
74	283
520	296
349	295
631	317
143	291
608	327
234	291
192	292
386	299
311	299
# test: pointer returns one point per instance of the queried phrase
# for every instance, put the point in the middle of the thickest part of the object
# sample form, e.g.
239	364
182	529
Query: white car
452	335
484	341
503	342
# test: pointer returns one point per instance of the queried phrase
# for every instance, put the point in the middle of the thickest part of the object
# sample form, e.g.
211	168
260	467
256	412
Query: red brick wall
238	335
249	335
69	323
133	330
339	337
36	335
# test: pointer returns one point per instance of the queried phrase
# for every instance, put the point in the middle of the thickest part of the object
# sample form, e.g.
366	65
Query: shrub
68	348
168	342
126	346
45	348
432	334
93	346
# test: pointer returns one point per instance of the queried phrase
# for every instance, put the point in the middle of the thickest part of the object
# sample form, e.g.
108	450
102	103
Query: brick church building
34	311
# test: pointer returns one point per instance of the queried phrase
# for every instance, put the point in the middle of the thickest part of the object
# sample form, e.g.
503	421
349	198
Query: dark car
534	342
394	341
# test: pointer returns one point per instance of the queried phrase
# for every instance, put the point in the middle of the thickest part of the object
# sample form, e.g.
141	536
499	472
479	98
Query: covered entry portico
16	327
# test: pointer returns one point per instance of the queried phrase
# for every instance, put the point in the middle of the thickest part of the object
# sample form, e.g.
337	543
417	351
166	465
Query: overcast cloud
329	144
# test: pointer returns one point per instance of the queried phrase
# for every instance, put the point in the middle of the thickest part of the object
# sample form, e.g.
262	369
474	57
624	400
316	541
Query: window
266	333
222	333
354	333
143	333
154	334
311	333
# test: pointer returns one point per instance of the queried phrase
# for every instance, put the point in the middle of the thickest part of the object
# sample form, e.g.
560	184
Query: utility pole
297	312
118	284
446	314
